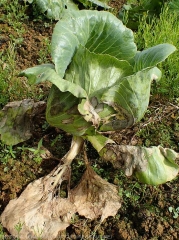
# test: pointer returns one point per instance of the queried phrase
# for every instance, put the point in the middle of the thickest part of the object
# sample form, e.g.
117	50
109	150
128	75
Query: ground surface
145	210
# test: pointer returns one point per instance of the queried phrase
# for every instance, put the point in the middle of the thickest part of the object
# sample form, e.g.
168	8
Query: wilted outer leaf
40	209
42	213
15	120
93	30
161	166
152	56
154	165
55	8
95	197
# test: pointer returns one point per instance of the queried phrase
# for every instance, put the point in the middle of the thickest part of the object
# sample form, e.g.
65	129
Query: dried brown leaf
94	197
40	209
44	214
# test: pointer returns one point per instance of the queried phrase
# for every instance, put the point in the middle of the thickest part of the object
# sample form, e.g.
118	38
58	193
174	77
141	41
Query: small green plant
2	235
38	233
11	87
37	152
44	52
157	134
132	193
97	169
7	71
18	228
132	196
57	138
3	82
74	219
175	211
6	153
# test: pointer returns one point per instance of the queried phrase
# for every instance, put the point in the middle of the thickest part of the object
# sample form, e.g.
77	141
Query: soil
145	209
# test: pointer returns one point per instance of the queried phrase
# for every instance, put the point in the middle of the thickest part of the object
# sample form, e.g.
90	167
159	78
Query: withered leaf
153	165
43	213
40	210
95	197
16	120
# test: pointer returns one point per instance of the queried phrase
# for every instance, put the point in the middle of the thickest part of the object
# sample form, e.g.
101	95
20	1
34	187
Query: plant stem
76	146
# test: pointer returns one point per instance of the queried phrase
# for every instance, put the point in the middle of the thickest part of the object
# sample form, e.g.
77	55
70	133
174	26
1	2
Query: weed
155	135
45	126
44	52
131	194
6	153
75	218
6	72
57	138
98	169
18	228
159	30
58	146
175	211
2	236
36	152
38	232
78	168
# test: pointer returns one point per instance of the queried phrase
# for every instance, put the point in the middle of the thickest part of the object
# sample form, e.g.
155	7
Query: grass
12	29
160	126
11	86
14	14
2	236
164	29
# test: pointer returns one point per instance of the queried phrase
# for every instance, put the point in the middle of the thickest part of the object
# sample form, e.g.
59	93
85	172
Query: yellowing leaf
154	165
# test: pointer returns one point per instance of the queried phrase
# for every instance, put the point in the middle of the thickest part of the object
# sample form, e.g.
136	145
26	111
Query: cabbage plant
100	84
